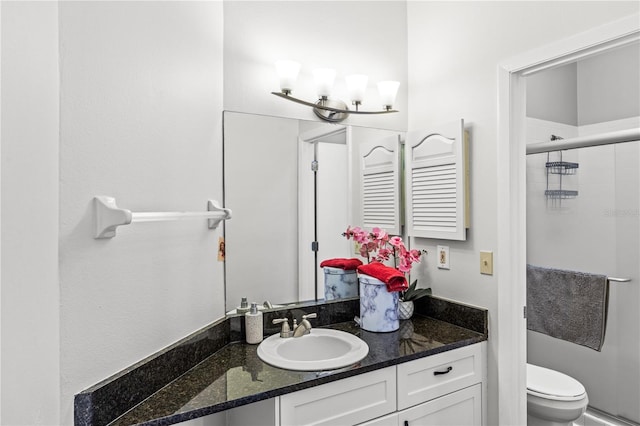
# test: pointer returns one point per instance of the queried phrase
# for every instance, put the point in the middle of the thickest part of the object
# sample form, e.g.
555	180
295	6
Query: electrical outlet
486	262
443	257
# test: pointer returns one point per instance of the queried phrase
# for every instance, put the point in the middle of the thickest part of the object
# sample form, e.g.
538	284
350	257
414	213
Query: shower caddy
561	168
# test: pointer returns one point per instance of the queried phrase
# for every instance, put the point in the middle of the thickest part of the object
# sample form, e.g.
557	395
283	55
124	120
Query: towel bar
618	280
108	216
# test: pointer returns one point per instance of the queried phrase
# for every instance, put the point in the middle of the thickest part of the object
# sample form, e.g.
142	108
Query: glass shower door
598	231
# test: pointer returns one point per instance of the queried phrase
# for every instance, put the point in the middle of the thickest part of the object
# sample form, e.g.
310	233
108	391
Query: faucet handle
313	315
286	330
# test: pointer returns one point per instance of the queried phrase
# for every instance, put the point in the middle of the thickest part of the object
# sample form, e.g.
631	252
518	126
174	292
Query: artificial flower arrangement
378	246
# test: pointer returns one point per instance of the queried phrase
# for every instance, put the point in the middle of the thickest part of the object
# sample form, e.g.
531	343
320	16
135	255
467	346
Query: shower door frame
511	207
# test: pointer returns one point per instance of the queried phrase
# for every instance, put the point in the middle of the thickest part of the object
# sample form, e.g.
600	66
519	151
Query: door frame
308	290
511	202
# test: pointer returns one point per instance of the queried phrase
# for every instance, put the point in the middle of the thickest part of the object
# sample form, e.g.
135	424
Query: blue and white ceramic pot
378	307
339	284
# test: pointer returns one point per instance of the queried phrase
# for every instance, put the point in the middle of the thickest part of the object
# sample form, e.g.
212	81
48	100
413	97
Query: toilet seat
550	384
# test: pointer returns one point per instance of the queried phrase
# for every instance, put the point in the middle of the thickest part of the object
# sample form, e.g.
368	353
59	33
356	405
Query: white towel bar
108	216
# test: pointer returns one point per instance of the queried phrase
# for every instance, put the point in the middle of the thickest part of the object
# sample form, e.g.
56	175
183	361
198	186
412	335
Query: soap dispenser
253	324
244	306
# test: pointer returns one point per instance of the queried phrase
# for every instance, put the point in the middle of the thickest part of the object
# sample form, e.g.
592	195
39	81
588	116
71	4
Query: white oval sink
322	349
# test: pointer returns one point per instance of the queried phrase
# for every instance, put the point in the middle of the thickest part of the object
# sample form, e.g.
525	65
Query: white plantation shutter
381	185
436	180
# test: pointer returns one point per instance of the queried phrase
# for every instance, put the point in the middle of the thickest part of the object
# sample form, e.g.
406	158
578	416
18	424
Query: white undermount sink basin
322	349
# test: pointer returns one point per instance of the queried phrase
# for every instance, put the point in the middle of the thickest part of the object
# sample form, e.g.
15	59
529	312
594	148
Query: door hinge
314	166
524	311
314	246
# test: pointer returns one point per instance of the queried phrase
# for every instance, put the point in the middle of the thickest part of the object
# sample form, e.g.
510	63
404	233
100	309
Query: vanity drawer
428	378
348	401
460	408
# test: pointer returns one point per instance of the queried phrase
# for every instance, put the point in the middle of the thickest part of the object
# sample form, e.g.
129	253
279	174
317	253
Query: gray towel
568	305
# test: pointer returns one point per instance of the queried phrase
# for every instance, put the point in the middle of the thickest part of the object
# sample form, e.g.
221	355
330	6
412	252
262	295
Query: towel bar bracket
108	216
213	206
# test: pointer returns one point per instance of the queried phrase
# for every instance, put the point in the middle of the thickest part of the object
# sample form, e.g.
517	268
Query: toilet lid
552	384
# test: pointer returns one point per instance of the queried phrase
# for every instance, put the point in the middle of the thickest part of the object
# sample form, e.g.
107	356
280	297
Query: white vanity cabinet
460	408
440	390
445	389
345	402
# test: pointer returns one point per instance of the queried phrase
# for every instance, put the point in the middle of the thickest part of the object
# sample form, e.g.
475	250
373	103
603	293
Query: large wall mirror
291	183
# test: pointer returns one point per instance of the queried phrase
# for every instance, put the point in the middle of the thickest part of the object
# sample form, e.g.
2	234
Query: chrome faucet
286	330
304	327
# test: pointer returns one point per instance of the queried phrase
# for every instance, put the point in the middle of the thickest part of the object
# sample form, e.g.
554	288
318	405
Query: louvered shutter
381	185
436	182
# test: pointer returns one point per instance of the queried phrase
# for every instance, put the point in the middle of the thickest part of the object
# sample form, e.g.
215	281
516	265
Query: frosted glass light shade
324	78
388	91
288	74
356	86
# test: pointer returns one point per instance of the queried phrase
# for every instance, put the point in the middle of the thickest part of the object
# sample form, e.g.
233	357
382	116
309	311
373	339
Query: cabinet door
437	177
461	408
344	402
380	166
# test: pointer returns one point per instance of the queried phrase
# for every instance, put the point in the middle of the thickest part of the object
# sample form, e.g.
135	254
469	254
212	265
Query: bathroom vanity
443	389
430	371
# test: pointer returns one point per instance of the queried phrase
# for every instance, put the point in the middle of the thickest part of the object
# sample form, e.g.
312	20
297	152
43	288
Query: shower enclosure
583	213
596	231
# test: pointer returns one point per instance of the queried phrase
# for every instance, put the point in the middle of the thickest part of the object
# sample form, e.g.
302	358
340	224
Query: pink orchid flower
396	241
378	246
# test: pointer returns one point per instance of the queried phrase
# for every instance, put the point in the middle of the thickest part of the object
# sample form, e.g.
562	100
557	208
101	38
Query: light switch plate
486	262
443	257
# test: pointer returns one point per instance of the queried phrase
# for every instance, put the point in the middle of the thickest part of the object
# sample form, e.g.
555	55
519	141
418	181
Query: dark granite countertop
234	375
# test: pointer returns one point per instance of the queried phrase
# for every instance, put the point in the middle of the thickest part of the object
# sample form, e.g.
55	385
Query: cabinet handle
438	373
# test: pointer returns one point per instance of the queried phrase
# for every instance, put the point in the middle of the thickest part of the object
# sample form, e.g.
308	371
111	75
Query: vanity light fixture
334	110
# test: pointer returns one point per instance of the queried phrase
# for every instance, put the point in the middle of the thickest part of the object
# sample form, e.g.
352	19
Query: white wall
602	88
29	229
350	36
608	86
552	95
454	50
139	119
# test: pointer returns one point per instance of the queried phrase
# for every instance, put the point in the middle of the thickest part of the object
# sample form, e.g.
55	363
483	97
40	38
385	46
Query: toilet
553	398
